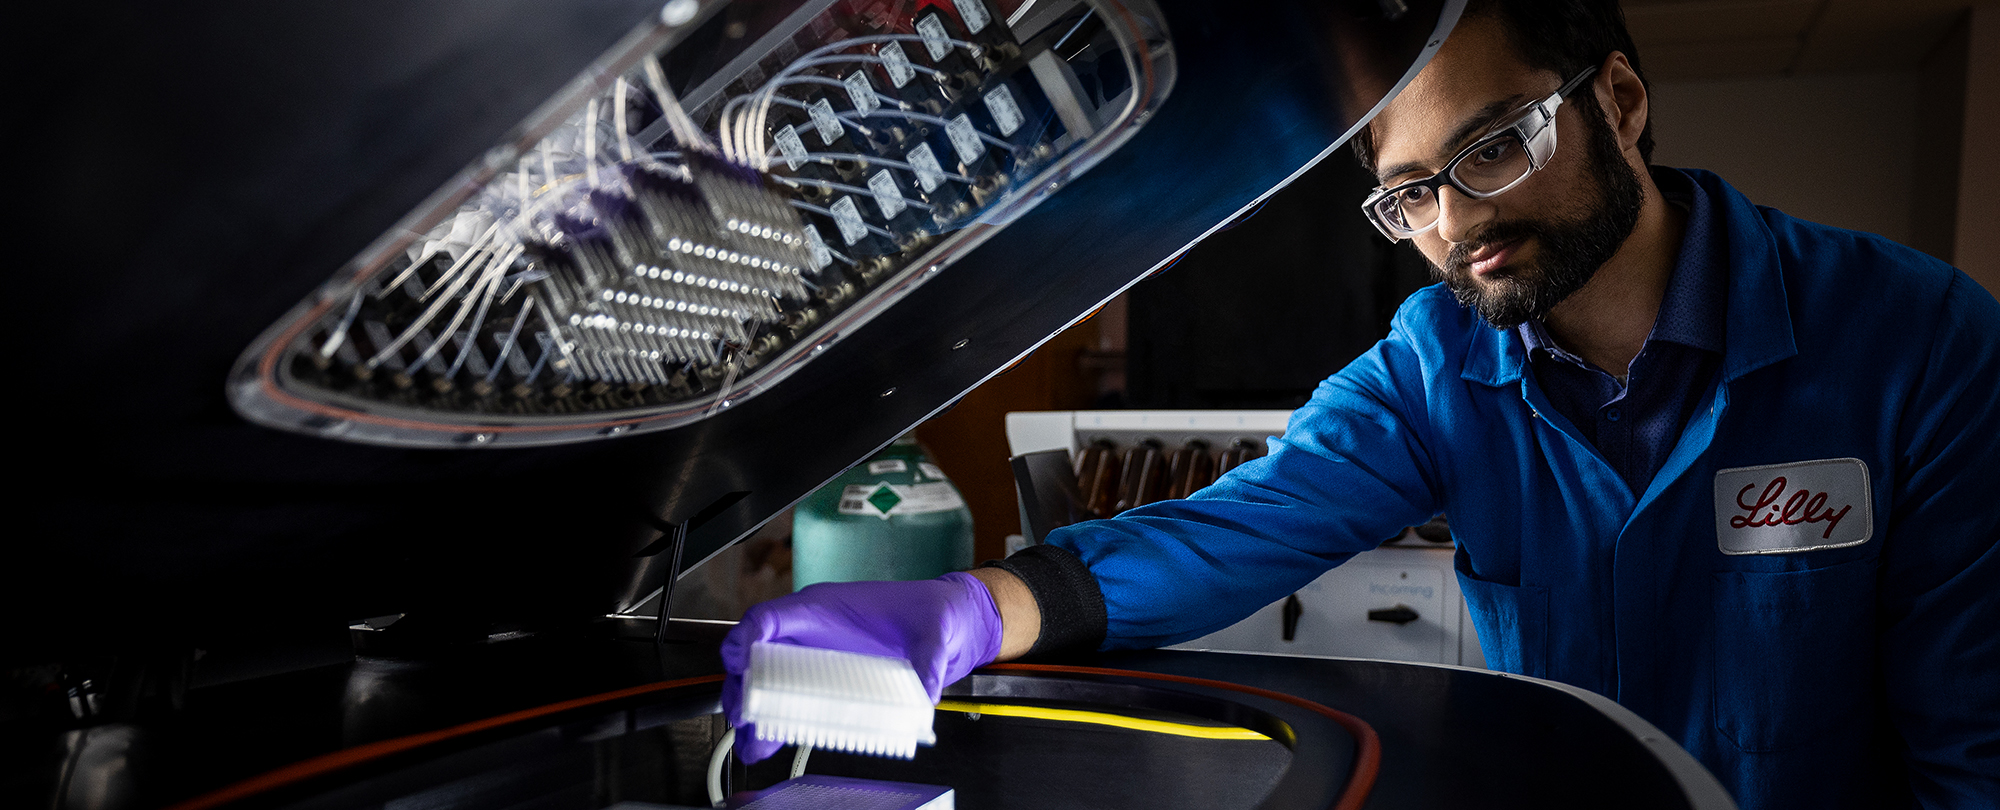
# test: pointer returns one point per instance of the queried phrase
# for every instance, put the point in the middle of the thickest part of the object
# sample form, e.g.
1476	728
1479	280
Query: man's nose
1459	216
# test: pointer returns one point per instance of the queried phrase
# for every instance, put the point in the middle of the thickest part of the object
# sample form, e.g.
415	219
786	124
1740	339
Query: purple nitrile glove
945	627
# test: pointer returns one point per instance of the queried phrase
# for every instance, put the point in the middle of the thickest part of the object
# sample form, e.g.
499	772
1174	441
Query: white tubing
715	763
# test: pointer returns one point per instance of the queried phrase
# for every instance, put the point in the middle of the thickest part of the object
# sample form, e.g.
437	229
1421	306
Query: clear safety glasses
1510	151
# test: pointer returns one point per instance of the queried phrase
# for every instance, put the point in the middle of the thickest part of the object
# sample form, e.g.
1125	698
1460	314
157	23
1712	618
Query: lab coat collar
1759	322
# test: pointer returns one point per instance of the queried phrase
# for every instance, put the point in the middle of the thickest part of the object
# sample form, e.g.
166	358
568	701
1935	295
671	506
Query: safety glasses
1510	150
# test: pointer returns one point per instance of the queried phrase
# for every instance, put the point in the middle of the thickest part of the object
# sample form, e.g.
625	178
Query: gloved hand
945	627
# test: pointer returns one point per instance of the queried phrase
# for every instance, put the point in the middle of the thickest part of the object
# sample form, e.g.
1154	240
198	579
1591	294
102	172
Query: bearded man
1734	470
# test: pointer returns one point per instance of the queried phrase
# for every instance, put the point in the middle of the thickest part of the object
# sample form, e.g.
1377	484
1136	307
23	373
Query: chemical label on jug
933	471
888	465
888	500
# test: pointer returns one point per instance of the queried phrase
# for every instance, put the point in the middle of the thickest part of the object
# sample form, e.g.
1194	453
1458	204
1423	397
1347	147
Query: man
1734	470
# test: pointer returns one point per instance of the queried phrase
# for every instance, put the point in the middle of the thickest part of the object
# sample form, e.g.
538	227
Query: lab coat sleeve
1350	472
1941	573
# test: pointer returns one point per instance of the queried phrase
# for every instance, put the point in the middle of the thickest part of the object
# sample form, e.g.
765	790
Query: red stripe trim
348	758
1367	759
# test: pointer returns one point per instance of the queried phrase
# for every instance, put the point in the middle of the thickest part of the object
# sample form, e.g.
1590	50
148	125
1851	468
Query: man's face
1515	256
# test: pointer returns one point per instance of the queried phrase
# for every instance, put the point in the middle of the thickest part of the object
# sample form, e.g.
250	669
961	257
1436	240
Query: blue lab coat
1824	675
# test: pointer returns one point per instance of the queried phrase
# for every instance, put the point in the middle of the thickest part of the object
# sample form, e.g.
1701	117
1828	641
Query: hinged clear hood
716	200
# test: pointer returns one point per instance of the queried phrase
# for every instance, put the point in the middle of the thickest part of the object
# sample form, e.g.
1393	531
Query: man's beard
1571	251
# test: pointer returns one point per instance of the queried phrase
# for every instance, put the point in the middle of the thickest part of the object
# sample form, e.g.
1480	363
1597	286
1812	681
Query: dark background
1255	316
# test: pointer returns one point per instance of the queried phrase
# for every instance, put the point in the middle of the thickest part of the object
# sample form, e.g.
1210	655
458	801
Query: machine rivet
961	344
501	157
888	392
934	268
678	12
482	438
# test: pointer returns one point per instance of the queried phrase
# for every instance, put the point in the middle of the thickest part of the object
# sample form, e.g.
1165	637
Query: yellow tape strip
1102	719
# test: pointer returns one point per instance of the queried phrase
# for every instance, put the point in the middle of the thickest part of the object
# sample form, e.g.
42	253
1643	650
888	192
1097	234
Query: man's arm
1020	617
1351	471
1941	577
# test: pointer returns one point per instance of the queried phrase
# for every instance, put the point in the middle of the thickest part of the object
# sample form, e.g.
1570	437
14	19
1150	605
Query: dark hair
1561	36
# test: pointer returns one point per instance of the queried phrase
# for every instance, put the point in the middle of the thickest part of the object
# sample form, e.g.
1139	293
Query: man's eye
1494	152
1412	195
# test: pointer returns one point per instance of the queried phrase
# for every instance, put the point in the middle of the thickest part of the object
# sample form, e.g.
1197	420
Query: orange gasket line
1368	746
361	754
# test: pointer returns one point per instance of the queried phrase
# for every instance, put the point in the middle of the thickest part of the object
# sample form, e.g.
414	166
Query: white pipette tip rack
865	704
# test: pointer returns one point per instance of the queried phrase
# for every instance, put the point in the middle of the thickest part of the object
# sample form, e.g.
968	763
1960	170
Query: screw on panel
502	157
888	392
961	344
679	12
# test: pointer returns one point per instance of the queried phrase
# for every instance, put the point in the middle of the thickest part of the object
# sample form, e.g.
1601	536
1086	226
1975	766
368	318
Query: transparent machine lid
724	193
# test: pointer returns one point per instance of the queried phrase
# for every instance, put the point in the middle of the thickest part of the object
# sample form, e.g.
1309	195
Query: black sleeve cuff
1072	606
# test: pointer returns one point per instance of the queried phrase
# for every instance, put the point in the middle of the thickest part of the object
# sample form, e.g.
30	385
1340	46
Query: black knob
1400	614
1293	610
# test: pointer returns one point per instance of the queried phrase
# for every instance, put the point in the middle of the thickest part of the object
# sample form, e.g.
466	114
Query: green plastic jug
894	516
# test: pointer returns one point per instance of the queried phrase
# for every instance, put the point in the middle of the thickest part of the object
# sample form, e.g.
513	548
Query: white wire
618	120
806	206
457	275
754	149
487	277
853	120
879	95
829	157
803	62
943	122
803	181
590	141
520	319
799	760
716	761
684	127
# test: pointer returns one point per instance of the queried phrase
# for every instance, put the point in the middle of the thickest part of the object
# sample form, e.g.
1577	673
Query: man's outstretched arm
1020	617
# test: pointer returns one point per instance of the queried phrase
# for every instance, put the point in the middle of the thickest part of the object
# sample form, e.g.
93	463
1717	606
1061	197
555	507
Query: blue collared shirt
1858	673
1636	423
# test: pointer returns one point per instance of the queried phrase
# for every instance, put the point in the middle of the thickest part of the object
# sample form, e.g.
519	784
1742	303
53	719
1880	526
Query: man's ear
1624	99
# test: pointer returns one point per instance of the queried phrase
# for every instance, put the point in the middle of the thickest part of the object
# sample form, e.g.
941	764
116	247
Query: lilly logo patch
1789	508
